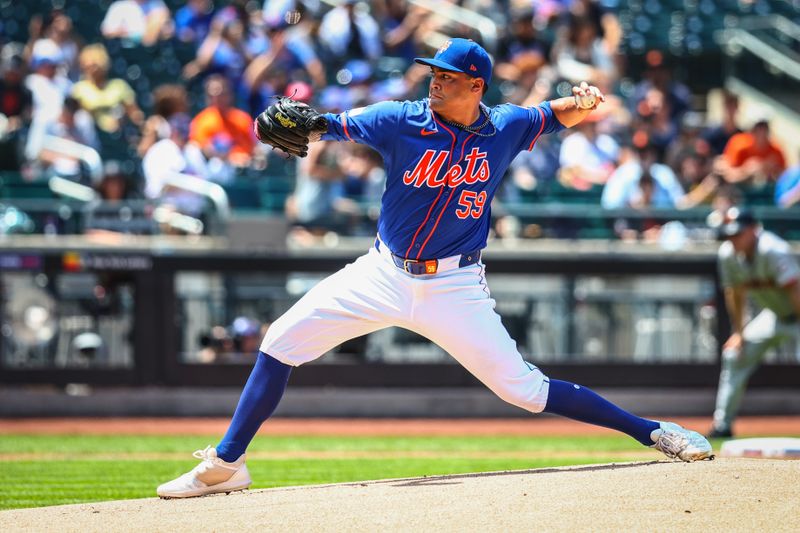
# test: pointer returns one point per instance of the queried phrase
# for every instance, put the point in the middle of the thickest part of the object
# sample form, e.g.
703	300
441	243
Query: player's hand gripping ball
290	126
587	96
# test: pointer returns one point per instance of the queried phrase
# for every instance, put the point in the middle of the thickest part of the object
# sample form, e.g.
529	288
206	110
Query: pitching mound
722	495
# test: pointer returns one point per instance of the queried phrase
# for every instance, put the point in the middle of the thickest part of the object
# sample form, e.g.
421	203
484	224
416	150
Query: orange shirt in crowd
742	147
235	127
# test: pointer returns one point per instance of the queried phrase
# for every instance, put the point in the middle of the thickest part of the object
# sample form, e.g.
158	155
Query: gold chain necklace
476	129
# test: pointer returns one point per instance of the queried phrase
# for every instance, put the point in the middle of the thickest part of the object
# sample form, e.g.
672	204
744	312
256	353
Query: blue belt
427	266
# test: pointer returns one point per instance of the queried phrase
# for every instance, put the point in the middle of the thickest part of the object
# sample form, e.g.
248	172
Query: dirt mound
721	495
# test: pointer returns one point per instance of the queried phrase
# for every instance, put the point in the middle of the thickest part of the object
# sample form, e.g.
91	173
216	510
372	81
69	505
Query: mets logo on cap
461	55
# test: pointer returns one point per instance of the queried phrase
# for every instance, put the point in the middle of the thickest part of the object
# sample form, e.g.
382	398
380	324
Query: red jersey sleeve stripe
541	129
344	126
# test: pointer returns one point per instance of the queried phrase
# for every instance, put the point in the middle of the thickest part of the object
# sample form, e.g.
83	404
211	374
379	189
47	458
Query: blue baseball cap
462	55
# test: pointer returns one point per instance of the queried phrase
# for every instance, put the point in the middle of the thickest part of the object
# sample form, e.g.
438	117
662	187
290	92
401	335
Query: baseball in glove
290	126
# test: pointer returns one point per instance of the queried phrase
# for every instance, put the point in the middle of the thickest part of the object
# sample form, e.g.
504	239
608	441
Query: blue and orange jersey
440	179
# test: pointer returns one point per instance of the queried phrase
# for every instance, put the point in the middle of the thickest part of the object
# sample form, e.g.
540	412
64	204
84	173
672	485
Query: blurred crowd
650	146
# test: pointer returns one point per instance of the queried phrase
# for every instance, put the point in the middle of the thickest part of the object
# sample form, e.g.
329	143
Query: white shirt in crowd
165	159
578	151
125	18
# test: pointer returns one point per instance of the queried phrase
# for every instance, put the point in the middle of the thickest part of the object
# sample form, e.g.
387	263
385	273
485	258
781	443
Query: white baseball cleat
684	444
211	476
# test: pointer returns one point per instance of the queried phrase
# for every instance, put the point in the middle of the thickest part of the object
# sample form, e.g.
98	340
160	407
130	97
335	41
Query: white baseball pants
452	308
765	331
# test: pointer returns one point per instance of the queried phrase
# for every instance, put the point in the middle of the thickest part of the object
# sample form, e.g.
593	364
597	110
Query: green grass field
39	470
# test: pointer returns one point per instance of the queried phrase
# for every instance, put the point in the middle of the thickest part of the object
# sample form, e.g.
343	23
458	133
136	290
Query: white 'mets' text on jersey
440	179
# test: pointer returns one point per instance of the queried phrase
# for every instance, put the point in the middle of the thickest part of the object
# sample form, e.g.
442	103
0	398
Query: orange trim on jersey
541	129
461	158
441	190
344	126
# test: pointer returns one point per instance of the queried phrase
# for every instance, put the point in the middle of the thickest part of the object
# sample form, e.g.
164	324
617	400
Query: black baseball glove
290	126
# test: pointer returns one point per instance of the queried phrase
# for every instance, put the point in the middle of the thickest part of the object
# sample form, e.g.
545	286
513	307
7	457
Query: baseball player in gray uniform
759	264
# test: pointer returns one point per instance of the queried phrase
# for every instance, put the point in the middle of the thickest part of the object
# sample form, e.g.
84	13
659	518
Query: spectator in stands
174	155
213	344
108	100
725	197
288	56
691	158
75	125
579	54
246	334
300	91
158	21
605	21
361	188
787	188
226	50
688	142
168	100
139	21
16	105
523	54
346	32
719	135
335	185
56	26
115	185
279	9
693	172
547	11
400	22
654	116
533	171
310	207
124	20
221	130
48	88
751	157
671	94
355	88
193	21
641	182
587	157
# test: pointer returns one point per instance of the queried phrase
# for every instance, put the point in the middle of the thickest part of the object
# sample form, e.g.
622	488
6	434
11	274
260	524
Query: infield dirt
721	495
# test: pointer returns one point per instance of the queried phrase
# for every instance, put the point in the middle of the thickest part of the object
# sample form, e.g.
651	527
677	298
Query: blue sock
258	401
579	403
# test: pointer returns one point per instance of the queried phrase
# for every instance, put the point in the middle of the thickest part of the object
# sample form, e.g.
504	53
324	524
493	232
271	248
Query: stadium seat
25	191
763	195
243	194
274	190
560	193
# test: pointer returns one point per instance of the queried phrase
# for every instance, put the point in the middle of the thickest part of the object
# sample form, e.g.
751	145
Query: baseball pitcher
444	157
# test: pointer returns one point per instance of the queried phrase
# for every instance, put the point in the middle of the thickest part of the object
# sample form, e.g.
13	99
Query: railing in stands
85	154
214	192
765	38
455	15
